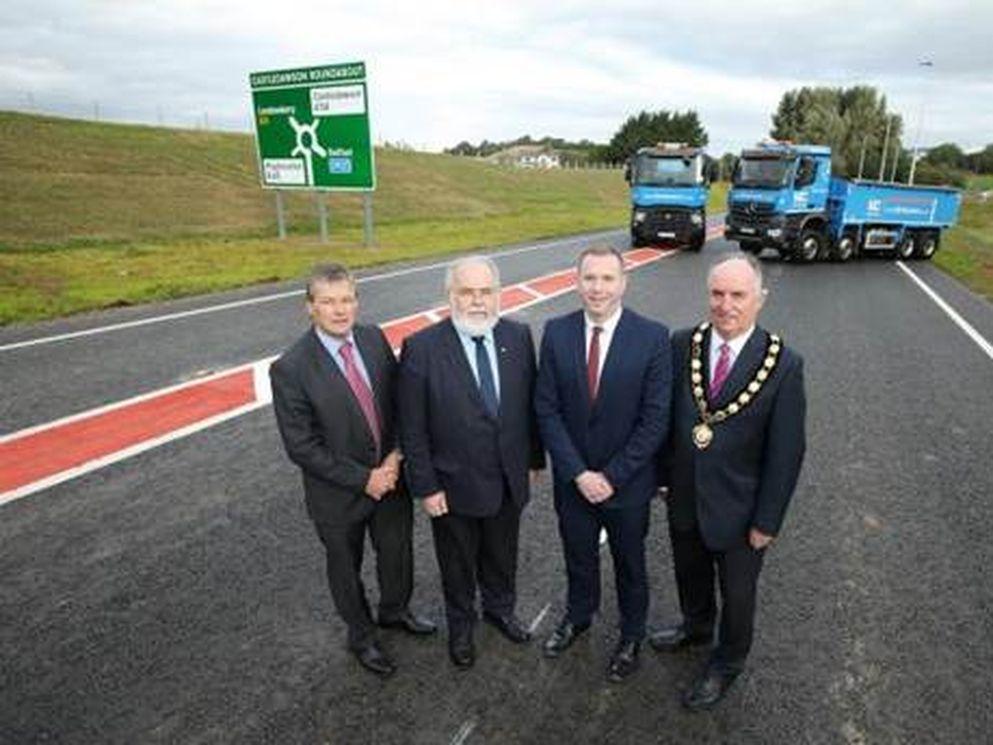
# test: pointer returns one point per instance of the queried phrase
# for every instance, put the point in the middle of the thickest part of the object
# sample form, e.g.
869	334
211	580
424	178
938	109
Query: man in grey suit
334	398
733	460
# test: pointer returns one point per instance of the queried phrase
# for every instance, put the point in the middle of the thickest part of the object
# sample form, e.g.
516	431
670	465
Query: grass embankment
967	249
96	215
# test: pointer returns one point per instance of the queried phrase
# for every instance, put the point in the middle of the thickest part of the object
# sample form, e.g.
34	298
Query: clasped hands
594	487
383	478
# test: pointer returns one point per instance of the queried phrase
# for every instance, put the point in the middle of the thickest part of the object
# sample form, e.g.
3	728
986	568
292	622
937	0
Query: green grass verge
96	215
967	249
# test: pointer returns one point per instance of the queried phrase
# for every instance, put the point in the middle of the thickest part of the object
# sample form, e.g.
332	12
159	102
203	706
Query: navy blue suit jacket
450	441
747	475
620	433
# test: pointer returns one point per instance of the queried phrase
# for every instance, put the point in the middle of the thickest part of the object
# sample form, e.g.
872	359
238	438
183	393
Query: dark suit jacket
745	478
322	425
449	440
621	432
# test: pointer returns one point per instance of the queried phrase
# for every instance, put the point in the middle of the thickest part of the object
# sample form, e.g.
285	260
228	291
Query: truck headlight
774	232
639	216
696	218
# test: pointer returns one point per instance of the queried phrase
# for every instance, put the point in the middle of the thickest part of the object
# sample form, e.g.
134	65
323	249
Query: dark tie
593	363
486	385
363	394
721	370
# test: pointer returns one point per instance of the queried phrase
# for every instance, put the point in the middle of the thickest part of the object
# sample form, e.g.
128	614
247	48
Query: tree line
867	140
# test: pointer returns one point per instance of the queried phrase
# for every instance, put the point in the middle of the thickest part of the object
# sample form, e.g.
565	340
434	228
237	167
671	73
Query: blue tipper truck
784	197
670	183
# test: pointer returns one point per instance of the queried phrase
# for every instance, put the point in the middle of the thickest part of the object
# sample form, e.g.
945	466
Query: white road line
539	618
959	320
497	255
464	731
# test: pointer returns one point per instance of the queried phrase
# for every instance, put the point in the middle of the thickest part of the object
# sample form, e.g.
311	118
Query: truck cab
670	183
779	199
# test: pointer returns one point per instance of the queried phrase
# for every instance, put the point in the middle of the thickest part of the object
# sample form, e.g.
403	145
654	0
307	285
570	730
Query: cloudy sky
445	71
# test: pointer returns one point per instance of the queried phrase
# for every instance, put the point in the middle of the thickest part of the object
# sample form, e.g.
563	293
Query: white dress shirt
736	344
606	335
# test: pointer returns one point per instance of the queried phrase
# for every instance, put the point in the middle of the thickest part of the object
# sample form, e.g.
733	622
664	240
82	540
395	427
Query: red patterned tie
593	363
720	371
363	393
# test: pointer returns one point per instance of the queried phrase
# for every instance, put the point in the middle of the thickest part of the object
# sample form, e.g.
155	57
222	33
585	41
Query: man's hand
381	480
435	504
594	487
758	540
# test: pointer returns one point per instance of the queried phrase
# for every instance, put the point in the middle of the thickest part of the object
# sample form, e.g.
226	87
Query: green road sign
312	128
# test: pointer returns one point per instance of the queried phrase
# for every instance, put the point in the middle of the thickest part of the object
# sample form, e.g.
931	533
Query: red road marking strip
49	451
44	455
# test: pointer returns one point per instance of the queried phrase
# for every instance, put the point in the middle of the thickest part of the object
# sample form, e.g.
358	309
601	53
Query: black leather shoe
411	623
708	690
623	661
563	637
510	626
373	658
674	638
461	650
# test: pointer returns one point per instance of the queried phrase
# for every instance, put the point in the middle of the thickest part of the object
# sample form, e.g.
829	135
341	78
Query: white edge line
277	296
464	731
959	320
539	618
263	395
97	463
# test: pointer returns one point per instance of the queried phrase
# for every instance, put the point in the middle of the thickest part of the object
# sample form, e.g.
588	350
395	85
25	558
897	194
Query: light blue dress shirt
333	344
469	347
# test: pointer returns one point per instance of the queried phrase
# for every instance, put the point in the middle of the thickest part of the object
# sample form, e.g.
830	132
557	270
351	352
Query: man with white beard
469	438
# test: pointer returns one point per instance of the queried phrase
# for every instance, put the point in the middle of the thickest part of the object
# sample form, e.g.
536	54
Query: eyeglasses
467	293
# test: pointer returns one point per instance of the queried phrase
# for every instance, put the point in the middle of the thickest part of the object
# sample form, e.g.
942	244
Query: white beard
473	328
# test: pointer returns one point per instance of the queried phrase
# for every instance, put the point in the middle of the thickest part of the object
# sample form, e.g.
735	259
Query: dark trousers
389	526
579	526
737	573
477	551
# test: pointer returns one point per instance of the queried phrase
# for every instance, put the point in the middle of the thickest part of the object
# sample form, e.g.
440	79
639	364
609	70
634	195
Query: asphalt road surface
179	596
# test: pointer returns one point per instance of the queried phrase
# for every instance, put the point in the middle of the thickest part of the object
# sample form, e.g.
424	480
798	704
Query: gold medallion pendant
702	435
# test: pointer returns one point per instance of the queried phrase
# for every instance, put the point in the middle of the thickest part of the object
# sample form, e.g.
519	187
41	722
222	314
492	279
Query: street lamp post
920	126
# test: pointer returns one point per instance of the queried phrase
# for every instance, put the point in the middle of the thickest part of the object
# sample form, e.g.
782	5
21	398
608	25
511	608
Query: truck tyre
810	245
844	249
752	247
905	248
696	244
636	241
925	245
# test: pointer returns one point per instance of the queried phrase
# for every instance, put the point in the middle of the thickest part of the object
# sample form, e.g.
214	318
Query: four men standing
606	392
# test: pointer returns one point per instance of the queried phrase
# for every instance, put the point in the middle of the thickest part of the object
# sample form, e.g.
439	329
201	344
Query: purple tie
362	392
720	371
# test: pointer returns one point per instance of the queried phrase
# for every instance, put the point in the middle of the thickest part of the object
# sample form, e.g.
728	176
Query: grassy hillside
95	215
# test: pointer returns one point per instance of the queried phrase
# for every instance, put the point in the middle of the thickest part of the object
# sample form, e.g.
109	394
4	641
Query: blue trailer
669	187
784	197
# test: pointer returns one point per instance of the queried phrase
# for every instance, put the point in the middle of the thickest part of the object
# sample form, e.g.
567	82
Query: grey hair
328	273
467	261
728	257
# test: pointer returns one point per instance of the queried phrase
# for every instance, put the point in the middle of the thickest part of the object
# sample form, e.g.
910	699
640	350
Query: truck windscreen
652	171
768	172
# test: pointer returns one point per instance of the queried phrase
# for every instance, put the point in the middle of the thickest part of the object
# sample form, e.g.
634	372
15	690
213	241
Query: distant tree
929	172
463	148
947	154
853	122
727	162
649	128
982	162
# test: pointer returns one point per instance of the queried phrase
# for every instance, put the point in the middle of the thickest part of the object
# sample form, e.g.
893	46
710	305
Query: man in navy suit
469	439
733	461
602	401
333	394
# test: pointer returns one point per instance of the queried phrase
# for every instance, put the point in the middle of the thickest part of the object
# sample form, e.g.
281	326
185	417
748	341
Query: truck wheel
905	248
696	244
636	241
925	245
844	249
810	245
752	247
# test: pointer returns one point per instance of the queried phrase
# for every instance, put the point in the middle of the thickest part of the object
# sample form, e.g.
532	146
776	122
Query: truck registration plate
664	234
747	230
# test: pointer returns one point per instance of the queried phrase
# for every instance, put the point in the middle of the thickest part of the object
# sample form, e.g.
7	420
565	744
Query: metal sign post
367	237
280	215
312	132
